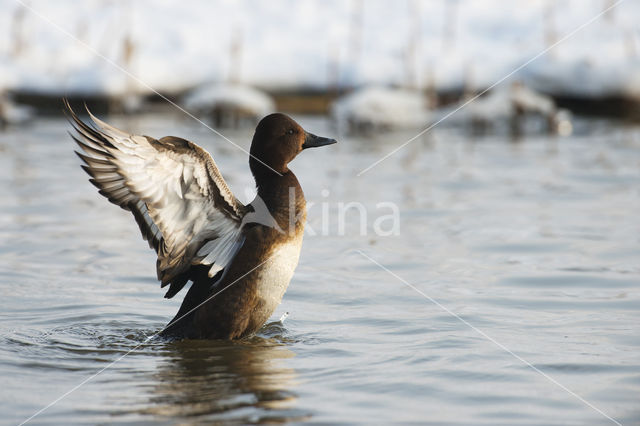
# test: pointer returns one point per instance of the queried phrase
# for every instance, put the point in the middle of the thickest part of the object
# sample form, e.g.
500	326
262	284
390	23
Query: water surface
529	245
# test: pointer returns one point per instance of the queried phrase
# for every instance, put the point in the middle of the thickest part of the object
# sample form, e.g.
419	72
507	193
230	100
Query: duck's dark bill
312	141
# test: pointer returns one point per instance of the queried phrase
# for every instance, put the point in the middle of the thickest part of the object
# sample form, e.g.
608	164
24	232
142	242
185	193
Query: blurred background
505	133
364	62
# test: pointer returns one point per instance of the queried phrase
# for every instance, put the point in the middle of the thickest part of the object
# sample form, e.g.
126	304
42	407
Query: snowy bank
229	104
372	108
117	48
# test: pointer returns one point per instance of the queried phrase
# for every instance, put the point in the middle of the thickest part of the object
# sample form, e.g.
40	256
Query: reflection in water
220	379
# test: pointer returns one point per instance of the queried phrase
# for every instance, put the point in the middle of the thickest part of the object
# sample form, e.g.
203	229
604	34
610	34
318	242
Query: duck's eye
290	131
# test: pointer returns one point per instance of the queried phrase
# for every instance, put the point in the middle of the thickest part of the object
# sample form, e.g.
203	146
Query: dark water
527	246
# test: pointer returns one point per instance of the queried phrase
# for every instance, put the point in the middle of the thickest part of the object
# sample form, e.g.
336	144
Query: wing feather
182	205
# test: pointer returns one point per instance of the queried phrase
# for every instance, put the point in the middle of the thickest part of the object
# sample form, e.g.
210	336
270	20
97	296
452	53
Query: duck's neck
282	194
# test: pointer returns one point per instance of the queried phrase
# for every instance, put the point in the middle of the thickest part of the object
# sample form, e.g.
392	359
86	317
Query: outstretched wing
173	188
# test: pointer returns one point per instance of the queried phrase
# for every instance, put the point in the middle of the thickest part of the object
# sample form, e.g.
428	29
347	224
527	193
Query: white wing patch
181	202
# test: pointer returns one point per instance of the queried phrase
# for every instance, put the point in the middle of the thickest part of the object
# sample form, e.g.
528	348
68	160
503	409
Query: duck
238	258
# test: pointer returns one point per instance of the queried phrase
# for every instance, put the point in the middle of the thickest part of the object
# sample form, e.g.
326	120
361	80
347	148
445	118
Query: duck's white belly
276	273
